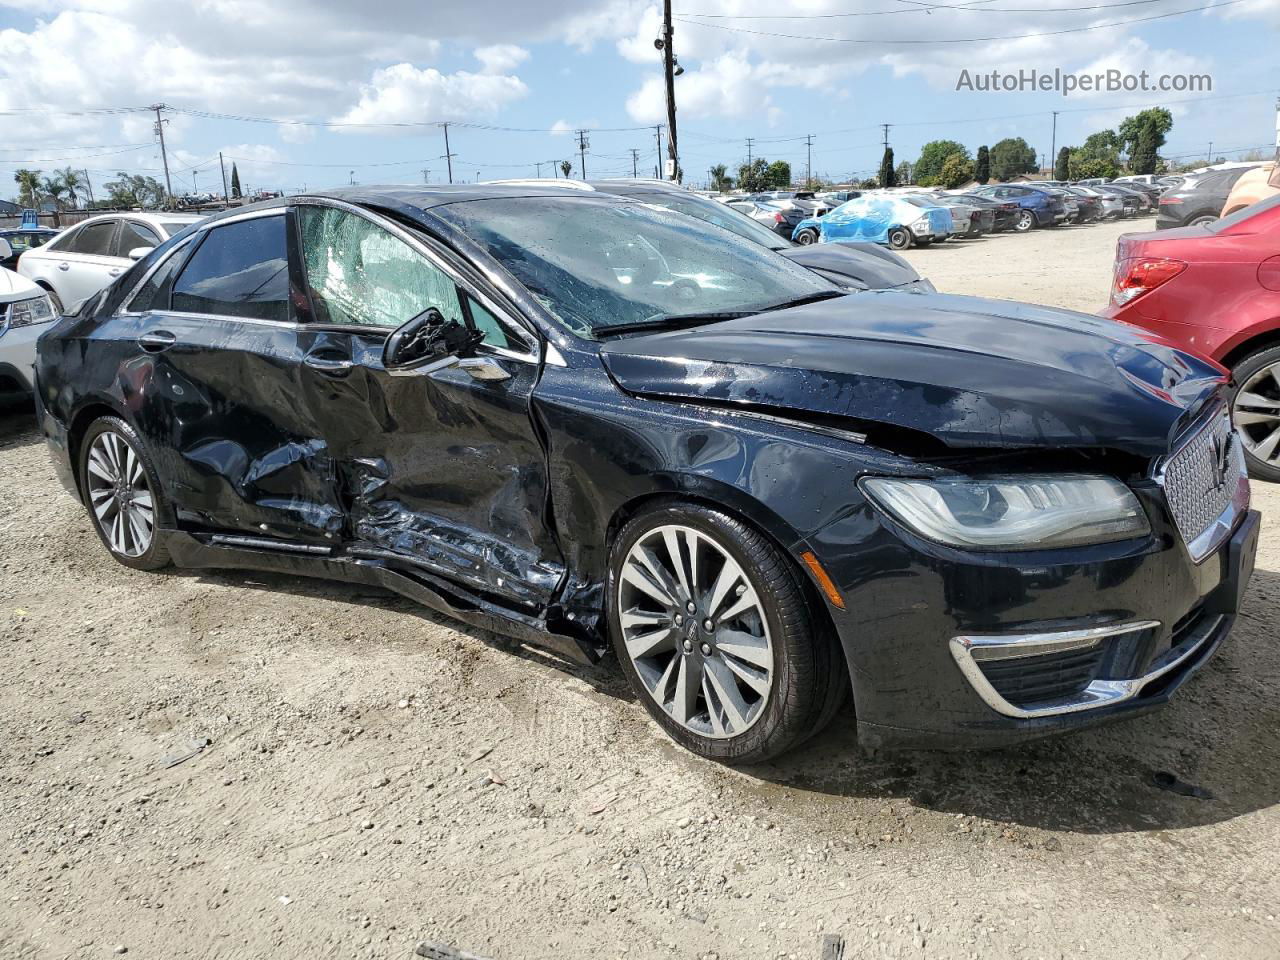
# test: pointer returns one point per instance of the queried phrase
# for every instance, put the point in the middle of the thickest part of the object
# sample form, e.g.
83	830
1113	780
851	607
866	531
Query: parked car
572	419
1254	185
1198	200
781	220
1004	212
1037	208
837	197
890	219
1131	203
1088	207
862	266
1145	198
90	255
1110	206
967	219
1215	289
25	311
22	239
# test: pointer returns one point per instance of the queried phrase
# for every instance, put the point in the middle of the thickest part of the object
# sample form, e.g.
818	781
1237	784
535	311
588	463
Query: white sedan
89	256
24	310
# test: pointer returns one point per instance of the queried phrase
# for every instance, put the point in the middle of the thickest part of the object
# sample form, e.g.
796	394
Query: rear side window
240	270
94	239
134	235
154	294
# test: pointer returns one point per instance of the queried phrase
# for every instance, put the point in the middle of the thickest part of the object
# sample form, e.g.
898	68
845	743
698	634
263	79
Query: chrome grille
1203	475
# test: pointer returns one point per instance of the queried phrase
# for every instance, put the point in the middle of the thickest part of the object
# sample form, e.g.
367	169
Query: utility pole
886	134
808	161
635	160
352	178
1053	145
426	174
448	157
1210	153
194	187
89	184
583	143
164	156
538	165
749	142
668	69
222	165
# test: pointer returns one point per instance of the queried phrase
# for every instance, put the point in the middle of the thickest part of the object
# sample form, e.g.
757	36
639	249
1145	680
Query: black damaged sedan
588	423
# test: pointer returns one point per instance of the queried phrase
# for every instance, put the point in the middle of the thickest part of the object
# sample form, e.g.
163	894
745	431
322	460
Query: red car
1215	290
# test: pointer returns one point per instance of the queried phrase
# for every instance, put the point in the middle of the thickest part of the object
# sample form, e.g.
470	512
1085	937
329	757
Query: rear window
93	239
171	227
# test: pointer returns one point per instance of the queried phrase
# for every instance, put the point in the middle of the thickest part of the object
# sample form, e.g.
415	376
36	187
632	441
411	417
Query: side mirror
426	338
6	250
137	253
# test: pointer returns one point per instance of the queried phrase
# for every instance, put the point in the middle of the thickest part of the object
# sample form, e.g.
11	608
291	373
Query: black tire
1242	372
806	686
53	298
807	236
1026	221
1202	220
899	238
156	555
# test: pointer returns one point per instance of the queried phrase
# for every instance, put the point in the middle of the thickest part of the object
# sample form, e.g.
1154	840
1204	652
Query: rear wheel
806	237
122	494
1026	220
899	238
1201	221
713	629
1255	408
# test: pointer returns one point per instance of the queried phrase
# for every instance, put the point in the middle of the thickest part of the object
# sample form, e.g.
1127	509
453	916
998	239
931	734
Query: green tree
28	182
956	171
888	175
902	173
779	174
1142	136
235	182
982	170
1010	157
754	176
1062	167
74	182
1098	157
134	190
720	179
933	155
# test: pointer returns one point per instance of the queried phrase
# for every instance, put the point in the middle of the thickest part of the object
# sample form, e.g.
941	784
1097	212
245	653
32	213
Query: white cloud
562	127
406	94
501	57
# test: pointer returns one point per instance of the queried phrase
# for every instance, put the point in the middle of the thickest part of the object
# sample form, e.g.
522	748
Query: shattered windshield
594	264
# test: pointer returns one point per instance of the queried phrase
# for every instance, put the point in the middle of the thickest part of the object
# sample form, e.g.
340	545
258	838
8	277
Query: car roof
146	216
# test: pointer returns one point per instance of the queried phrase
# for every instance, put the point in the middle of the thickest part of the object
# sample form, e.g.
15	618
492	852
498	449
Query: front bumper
955	650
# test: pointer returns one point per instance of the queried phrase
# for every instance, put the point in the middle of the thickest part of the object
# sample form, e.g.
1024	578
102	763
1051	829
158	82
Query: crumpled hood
873	265
970	372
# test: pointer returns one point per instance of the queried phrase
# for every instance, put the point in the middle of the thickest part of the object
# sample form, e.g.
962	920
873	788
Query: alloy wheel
120	495
1256	412
694	626
1026	220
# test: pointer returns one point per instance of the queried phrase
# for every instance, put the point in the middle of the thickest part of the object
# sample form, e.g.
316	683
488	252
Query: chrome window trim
970	651
522	332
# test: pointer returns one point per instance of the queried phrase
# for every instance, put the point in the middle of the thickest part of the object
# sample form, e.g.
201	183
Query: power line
941	40
975	6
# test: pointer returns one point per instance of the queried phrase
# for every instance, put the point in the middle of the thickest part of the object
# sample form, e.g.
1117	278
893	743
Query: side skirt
380	569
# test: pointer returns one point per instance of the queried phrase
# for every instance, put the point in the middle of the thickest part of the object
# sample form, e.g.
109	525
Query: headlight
1018	512
26	313
921	226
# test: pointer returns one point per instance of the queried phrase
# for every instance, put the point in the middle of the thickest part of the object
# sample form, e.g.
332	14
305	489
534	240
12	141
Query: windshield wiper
671	321
801	301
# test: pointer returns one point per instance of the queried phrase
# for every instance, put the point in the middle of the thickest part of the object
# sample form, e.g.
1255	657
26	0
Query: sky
303	95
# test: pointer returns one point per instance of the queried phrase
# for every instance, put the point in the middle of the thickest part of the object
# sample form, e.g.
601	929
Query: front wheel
1255	409
1201	221
899	238
713	629
1026	220
806	237
122	494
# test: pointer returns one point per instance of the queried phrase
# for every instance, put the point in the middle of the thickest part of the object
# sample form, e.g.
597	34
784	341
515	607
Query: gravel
523	809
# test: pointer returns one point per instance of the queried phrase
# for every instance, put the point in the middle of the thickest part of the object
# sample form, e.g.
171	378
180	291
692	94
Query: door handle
329	366
156	341
64	266
484	368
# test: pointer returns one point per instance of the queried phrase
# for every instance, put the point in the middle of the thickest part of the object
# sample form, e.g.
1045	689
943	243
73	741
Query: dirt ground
377	775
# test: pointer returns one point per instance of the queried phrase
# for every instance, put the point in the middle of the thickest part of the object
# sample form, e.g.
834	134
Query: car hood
969	372
873	265
13	286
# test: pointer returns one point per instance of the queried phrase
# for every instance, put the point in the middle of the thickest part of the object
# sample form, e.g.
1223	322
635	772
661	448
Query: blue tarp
869	218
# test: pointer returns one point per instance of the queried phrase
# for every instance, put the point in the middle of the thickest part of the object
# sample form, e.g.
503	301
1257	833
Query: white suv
25	310
89	256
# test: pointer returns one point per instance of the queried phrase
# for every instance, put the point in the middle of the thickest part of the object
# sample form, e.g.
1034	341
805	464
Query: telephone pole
635	161
426	174
1210	153
808	160
164	156
448	157
886	134
668	69
1053	144
89	185
222	166
657	132
749	142
583	143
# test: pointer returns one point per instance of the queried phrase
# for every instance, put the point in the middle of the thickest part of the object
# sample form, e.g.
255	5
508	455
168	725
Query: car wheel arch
78	425
1260	336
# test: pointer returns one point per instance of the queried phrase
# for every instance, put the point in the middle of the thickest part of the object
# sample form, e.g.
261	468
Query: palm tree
54	188
28	182
74	182
566	168
720	178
